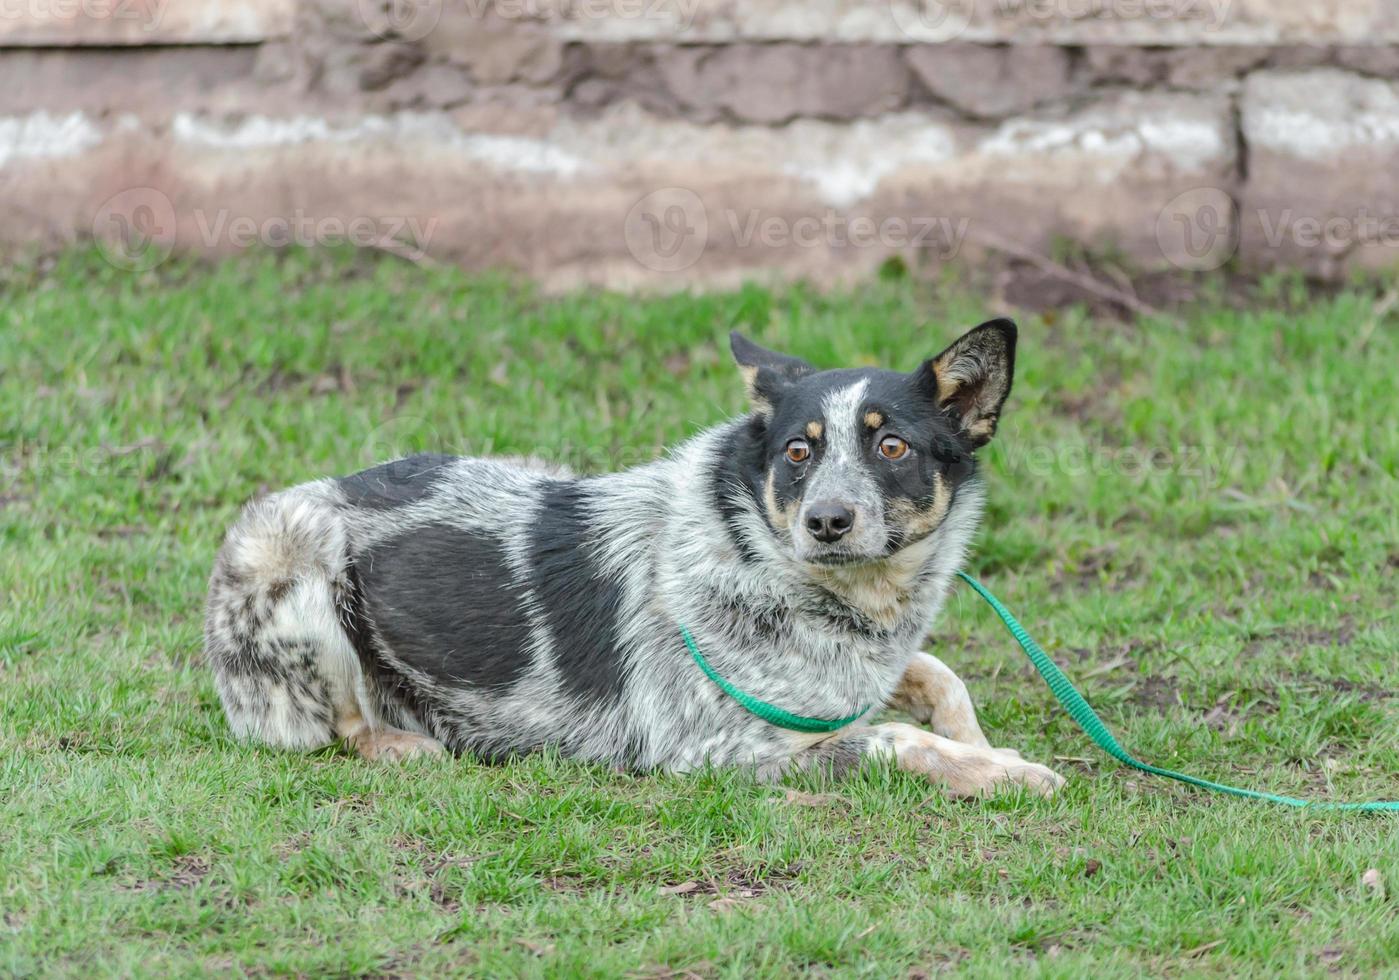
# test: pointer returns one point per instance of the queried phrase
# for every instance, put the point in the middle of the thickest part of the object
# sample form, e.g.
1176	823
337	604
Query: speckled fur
299	662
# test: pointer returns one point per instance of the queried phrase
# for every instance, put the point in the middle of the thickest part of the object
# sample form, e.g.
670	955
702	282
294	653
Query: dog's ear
971	379
765	372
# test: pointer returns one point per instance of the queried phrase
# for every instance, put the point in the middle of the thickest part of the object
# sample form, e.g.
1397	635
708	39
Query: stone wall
668	143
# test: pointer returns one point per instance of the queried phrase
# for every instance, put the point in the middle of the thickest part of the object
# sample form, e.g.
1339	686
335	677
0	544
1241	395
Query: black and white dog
501	606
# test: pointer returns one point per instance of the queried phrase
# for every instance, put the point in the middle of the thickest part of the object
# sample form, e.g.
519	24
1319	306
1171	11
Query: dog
503	606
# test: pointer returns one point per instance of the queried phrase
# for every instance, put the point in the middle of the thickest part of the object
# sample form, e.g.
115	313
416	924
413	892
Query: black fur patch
394	484
841	617
395	695
444	602
579	603
736	481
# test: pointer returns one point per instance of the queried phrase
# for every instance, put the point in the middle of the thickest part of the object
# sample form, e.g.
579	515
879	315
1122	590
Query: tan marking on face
918	522
814	430
873	420
881	590
983	428
778	516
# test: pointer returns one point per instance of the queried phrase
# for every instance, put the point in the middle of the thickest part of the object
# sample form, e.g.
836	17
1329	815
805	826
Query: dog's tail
275	630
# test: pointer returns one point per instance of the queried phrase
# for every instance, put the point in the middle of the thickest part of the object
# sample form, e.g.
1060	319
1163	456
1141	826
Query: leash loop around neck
770	713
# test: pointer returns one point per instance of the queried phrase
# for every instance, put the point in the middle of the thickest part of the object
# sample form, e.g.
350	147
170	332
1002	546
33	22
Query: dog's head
858	464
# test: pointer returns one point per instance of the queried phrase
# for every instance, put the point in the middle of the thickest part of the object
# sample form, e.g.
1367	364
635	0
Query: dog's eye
798	451
892	447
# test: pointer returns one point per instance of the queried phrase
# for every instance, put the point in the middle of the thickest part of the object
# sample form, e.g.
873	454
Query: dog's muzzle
833	532
828	521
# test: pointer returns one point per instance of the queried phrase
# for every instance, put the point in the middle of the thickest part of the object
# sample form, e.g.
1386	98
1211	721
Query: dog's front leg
936	697
966	770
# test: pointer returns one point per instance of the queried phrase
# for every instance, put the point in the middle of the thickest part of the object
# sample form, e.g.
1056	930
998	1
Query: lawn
1197	519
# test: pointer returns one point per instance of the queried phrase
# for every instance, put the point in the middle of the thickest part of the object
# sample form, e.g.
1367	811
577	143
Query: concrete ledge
68	23
154	81
626	199
1323	158
1060	22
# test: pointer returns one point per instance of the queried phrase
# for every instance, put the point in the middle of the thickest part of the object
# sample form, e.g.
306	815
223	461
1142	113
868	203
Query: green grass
1199	522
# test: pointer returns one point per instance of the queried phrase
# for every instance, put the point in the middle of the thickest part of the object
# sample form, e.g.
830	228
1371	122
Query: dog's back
465	601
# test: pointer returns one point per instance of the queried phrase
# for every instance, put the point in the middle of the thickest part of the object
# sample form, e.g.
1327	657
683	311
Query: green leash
1063	689
770	713
1089	721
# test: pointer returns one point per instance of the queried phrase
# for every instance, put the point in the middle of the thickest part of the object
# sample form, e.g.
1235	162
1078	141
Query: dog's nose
829	521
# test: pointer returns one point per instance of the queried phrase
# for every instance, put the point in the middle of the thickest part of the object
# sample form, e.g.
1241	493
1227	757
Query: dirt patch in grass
1097	568
1156	692
735	883
1290	640
407	964
292	845
1320	685
1100	408
736	886
186	871
432	875
1232	707
943	961
356	803
1344	685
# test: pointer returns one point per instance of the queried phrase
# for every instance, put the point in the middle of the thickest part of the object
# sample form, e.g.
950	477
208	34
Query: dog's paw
395	746
965	770
998	769
1033	776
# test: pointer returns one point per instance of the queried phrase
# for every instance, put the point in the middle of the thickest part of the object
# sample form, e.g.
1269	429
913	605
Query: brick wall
665	143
